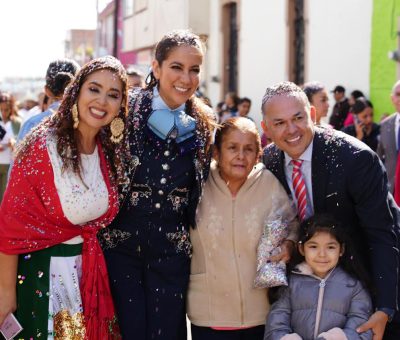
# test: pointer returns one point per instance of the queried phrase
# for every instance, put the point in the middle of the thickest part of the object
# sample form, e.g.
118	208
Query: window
129	6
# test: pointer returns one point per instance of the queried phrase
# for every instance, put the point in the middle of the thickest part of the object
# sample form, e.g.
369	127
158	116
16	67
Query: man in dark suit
340	109
389	143
343	177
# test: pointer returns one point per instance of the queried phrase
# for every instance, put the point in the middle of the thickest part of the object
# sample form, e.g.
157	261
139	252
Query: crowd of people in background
138	202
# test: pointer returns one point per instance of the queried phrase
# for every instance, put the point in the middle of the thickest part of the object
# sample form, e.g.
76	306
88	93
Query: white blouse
84	201
6	154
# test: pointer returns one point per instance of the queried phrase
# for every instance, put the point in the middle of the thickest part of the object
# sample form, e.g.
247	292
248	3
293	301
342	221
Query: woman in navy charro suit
147	248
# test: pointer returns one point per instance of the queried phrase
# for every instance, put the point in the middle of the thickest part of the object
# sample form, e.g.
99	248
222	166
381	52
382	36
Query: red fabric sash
31	218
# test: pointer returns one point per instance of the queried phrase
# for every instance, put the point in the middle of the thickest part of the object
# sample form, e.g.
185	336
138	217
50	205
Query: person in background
147	248
265	140
389	141
135	78
222	301
244	107
341	176
63	188
364	128
326	272
42	106
25	105
318	97
352	100
7	137
219	110
9	107
340	109
59	74
36	109
230	107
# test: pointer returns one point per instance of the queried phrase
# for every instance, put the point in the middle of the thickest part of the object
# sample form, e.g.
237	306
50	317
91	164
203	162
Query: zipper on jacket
236	264
319	306
321	291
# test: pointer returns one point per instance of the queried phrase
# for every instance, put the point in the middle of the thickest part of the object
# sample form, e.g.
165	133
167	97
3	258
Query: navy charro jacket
140	107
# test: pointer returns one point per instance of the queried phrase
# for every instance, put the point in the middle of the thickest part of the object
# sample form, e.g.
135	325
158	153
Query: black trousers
149	281
206	333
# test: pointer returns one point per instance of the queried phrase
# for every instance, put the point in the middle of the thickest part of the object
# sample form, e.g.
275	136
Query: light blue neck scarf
167	123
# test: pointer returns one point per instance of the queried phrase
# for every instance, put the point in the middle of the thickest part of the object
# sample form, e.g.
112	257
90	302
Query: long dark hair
360	104
349	261
62	123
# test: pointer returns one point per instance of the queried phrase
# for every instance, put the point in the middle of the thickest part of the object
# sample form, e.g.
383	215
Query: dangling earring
75	117
117	128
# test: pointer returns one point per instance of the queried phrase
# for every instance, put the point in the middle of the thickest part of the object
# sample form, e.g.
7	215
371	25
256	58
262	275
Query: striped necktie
299	187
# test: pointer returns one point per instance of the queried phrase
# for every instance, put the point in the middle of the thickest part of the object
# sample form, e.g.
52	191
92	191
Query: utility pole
116	18
97	38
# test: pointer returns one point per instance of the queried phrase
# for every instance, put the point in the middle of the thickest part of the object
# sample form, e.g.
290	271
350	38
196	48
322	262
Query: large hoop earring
75	116
117	128
151	80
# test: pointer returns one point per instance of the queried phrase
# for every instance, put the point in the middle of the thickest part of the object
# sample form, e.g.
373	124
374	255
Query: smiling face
236	156
99	101
178	74
321	252
288	124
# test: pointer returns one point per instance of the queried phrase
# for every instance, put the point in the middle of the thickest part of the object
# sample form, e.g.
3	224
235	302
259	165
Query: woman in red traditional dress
63	188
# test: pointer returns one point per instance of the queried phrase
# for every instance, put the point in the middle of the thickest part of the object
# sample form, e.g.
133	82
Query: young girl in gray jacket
326	298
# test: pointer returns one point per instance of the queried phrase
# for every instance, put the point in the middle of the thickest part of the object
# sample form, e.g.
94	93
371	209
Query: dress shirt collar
306	156
159	104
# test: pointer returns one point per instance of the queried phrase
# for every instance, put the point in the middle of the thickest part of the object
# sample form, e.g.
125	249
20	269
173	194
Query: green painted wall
384	39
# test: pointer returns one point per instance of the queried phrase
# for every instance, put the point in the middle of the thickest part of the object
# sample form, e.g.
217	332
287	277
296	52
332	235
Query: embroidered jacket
140	107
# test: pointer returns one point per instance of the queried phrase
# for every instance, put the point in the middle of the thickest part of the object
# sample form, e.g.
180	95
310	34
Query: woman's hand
8	285
8	303
287	248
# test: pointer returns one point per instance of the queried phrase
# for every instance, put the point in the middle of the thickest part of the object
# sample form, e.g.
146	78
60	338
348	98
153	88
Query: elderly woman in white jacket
239	197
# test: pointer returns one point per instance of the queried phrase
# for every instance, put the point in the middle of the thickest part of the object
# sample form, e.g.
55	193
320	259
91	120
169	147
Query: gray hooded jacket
311	305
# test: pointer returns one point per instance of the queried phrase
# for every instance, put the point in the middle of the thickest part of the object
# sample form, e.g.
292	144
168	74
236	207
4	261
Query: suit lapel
281	173
277	167
392	133
319	174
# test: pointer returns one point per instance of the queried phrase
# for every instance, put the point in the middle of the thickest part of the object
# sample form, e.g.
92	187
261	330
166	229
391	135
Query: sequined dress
48	293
